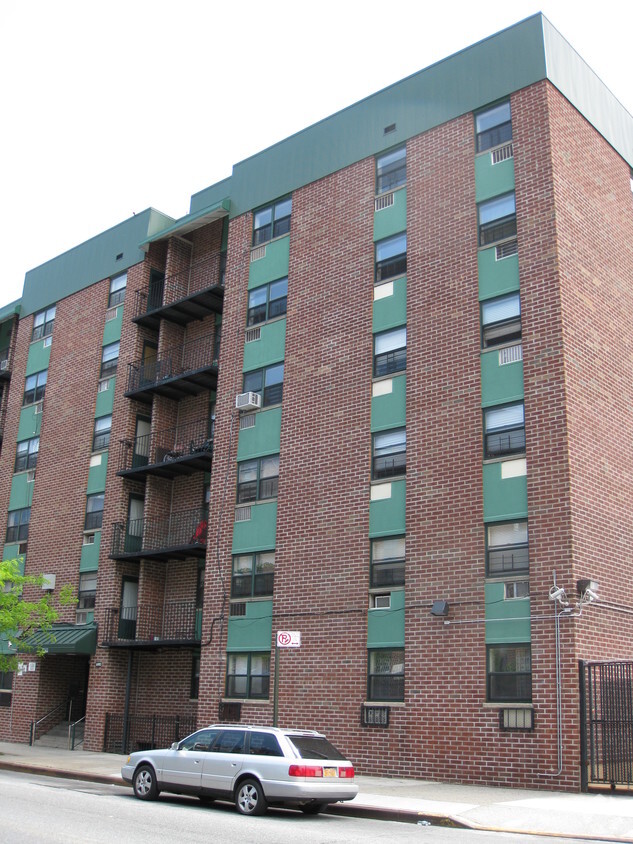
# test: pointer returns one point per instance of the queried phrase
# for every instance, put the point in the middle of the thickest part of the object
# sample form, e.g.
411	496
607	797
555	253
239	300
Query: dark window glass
389	454
101	435
510	673
387	562
391	170
94	511
257	479
6	687
18	525
43	323
248	675
109	359
507	548
504	430
390	352
268	383
493	126
264	744
497	219
501	320
267	302
272	221
35	387
391	257
253	575
26	454
315	747
386	674
117	290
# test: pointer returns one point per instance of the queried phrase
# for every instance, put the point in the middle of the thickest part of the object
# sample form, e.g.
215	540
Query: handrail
35	724
71	732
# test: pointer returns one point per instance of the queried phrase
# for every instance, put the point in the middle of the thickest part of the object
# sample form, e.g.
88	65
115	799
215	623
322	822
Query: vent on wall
375	716
386	200
516	719
242	514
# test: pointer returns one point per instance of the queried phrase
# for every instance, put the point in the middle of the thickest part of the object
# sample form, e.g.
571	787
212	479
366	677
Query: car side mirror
175	745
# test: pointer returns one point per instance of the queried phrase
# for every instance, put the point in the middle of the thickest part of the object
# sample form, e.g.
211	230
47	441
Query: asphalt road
45	810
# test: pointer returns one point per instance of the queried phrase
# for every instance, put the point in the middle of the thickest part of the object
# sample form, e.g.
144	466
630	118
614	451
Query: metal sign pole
276	685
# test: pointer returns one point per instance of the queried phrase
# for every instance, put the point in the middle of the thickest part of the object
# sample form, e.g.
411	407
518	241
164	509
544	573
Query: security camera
557	594
590	595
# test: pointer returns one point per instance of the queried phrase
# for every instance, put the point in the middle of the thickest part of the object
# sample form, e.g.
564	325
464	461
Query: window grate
248	421
501	154
505	250
238	608
375	716
384	201
111	314
510	354
257	253
516	719
242	514
253	334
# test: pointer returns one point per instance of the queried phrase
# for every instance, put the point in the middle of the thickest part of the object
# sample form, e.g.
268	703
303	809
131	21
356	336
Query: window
272	221
257	479
391	170
493	126
267	382
385	679
510	673
6	688
497	219
389	454
253	575
43	323
390	352
507	548
101	435
391	257
26	454
109	359
18	525
117	290
516	589
387	562
267	302
248	675
264	744
86	594
94	511
35	387
504	430
500	320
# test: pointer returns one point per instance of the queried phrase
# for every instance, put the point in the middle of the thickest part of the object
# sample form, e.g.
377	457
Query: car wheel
249	798
313	808
145	787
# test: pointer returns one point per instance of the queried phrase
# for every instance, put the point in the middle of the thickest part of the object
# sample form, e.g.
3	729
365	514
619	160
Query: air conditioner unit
37	407
248	401
4	364
382	602
30	476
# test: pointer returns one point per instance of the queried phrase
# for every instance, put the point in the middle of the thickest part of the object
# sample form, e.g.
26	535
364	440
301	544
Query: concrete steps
58	736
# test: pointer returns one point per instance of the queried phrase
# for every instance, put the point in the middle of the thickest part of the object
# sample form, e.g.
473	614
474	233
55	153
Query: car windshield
315	747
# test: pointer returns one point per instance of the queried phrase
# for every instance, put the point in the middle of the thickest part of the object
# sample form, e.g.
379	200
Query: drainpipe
126	708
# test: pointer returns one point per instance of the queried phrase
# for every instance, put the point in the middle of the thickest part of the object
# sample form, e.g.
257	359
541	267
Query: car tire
249	798
145	787
313	808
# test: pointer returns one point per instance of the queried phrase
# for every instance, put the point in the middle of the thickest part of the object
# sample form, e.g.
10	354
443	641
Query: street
49	810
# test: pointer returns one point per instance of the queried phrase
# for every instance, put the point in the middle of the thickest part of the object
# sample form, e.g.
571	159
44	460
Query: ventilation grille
30	476
375	716
384	201
253	334
248	421
258	252
103	385
243	514
510	354
111	314
501	154
505	250
238	608
516	719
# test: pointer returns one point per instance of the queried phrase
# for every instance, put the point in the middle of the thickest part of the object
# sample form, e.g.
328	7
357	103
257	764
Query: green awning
192	221
65	639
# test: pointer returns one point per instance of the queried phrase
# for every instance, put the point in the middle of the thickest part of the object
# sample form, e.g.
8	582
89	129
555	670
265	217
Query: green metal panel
506	621
390	311
387	516
389	410
263	438
492	179
270	348
90	554
10	552
503	498
38	358
105	399
6	329
500	383
260	532
97	474
7	312
253	631
496	277
393	219
21	492
30	423
112	327
273	265
385	628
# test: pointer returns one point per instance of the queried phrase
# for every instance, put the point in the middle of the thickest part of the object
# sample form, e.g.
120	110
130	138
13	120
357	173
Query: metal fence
173	621
178	442
173	363
197	277
144	732
187	528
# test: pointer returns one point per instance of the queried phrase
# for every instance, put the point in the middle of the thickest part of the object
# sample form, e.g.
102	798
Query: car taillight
305	771
346	773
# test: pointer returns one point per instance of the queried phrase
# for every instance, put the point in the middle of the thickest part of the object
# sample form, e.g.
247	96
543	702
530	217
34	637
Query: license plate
329	772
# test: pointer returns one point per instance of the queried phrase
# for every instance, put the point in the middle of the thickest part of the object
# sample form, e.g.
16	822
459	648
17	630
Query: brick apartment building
411	433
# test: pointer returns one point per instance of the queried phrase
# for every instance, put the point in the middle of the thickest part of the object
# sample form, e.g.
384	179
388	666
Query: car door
224	761
182	768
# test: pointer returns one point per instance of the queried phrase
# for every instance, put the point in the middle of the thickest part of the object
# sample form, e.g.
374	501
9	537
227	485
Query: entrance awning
65	639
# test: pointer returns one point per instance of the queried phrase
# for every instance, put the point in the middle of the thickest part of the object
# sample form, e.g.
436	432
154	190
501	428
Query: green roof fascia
65	639
193	221
10	310
91	261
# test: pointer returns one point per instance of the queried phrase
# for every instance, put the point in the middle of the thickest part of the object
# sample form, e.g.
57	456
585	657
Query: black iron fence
186	529
176	621
169	444
172	288
174	362
144	732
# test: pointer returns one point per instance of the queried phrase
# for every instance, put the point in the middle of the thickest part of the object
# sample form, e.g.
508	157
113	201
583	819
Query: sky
109	108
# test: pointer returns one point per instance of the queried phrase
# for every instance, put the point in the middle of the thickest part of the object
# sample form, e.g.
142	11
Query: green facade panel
10	552
389	410
496	276
506	621
30	423
387	516
259	533
105	399
252	632
393	219
270	348
112	327
500	383
504	498
97	474
273	265
385	628
390	311
492	179
90	554
5	332
39	357
21	491
263	438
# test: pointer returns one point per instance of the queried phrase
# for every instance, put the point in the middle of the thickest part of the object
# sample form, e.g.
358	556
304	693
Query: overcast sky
109	108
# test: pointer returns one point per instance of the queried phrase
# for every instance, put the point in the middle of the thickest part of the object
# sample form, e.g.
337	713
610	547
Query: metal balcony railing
169	453
192	293
153	625
180	371
178	536
5	364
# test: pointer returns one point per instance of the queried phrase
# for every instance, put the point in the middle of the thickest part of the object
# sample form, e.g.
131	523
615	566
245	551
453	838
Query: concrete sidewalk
592	817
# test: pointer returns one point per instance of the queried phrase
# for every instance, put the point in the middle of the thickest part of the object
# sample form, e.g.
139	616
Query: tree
20	618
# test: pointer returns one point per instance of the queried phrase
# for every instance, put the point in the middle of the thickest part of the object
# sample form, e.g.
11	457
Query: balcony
170	453
147	626
183	297
5	364
177	537
181	371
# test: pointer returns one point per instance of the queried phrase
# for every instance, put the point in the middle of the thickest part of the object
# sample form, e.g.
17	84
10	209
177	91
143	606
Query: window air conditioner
248	401
4	364
382	602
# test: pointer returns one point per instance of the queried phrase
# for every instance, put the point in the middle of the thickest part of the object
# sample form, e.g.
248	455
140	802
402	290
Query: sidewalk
597	817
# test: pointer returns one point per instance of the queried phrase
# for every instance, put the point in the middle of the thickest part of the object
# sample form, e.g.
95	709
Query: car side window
198	741
229	741
264	744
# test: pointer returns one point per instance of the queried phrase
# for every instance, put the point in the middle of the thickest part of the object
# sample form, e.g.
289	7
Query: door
140	456
222	764
183	767
129	608
156	289
134	524
148	365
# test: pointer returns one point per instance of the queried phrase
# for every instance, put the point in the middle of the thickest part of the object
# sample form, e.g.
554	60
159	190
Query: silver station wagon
254	767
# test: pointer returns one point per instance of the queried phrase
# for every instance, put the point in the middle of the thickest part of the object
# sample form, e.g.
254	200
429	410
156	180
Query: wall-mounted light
439	608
